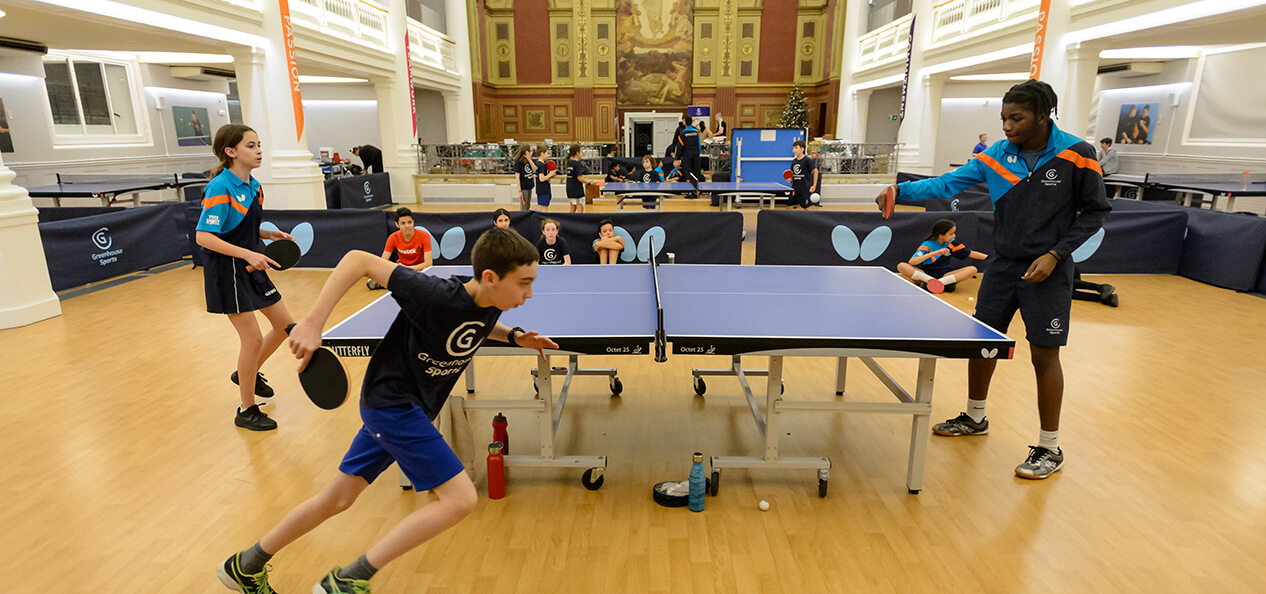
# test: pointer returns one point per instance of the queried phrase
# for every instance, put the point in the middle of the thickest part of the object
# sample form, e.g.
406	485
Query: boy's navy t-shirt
647	177
575	189
428	345
802	174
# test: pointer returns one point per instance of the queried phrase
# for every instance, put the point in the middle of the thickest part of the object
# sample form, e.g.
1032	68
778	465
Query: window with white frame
91	99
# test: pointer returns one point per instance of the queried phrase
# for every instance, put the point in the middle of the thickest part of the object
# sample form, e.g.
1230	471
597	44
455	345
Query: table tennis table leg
773	393
920	427
841	372
470	378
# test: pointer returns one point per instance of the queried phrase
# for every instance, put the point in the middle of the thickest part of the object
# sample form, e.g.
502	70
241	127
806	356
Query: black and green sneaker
333	584
231	575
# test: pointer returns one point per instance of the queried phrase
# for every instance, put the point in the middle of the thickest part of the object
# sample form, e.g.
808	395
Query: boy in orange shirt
413	248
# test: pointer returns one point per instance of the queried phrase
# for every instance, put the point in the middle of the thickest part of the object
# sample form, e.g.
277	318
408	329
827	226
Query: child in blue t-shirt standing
441	324
234	278
933	264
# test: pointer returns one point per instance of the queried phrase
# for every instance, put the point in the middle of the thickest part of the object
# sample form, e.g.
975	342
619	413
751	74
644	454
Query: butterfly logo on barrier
303	234
1088	249
641	250
450	245
850	248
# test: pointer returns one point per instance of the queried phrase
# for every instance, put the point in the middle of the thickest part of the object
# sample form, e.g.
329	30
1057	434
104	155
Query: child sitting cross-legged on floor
931	265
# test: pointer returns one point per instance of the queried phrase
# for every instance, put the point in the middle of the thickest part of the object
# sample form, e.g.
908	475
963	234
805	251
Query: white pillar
847	121
395	110
290	178
26	293
459	110
918	105
860	115
1078	93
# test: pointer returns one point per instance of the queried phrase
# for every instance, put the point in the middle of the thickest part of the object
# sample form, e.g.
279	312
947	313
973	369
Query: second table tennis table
1217	186
107	189
806	311
728	192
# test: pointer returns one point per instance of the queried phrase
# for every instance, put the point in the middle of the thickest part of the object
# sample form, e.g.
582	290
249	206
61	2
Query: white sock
919	275
947	279
1049	440
976	410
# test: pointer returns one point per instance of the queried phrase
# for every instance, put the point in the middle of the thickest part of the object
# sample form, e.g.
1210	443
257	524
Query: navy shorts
231	289
403	435
943	266
1044	306
543	199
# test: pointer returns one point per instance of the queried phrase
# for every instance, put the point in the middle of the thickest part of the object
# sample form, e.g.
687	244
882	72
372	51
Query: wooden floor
123	471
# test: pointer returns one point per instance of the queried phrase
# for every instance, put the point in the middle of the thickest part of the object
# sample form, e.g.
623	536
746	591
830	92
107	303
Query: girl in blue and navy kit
236	284
933	264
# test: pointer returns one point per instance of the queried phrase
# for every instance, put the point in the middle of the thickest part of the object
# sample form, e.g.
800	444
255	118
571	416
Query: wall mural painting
654	52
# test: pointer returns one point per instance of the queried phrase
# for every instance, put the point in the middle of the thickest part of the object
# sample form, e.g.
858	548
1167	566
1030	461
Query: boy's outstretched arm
306	335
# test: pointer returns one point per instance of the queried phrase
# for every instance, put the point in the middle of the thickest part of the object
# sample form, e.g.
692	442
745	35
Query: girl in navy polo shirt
236	284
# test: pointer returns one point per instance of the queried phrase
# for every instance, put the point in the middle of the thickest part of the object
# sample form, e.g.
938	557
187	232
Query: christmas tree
794	115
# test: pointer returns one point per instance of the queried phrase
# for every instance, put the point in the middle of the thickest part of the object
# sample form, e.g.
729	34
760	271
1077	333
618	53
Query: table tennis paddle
598	184
890	200
284	252
552	166
323	379
787	175
935	286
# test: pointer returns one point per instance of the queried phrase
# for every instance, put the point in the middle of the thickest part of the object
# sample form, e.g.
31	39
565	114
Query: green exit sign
892	118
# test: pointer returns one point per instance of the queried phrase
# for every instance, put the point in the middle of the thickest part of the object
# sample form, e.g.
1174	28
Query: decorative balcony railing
966	17
886	42
429	47
358	19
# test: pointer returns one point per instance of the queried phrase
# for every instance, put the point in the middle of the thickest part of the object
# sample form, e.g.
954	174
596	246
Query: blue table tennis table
108	189
728	192
805	311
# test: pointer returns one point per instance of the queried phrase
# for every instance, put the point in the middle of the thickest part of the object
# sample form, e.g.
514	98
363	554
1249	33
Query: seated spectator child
412	249
931	266
501	218
617	173
553	249
676	174
608	245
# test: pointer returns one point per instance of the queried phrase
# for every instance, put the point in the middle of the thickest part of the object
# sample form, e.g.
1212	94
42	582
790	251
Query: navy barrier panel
62	213
324	236
1223	249
1131	242
1137	242
850	238
365	191
973	198
89	249
333	194
695	237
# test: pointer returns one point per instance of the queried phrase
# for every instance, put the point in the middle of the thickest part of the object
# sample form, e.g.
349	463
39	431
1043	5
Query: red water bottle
499	433
496	471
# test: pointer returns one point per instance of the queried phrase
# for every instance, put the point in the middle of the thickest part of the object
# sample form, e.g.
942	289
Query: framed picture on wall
535	119
6	139
193	126
1137	123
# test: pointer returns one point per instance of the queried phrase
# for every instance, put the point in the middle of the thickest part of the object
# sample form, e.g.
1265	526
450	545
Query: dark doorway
643	138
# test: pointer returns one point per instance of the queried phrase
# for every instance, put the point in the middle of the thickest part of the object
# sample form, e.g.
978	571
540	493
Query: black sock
254	559
360	569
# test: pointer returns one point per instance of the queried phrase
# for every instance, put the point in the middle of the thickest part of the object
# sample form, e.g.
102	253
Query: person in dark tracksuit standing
1048	199
686	148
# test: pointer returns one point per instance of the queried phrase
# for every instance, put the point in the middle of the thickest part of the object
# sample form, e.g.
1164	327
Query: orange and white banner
1039	41
292	67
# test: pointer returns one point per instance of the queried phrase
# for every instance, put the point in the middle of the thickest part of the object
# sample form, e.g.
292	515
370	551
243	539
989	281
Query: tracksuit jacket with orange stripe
1056	206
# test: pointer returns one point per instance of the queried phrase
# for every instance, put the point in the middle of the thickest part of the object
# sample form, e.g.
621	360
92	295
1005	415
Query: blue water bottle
697	484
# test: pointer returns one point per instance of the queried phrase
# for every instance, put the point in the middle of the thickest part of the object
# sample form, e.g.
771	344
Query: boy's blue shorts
404	436
1045	306
543	199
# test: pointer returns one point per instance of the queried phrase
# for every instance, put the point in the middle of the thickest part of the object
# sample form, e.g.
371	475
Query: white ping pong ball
971	298
763	505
